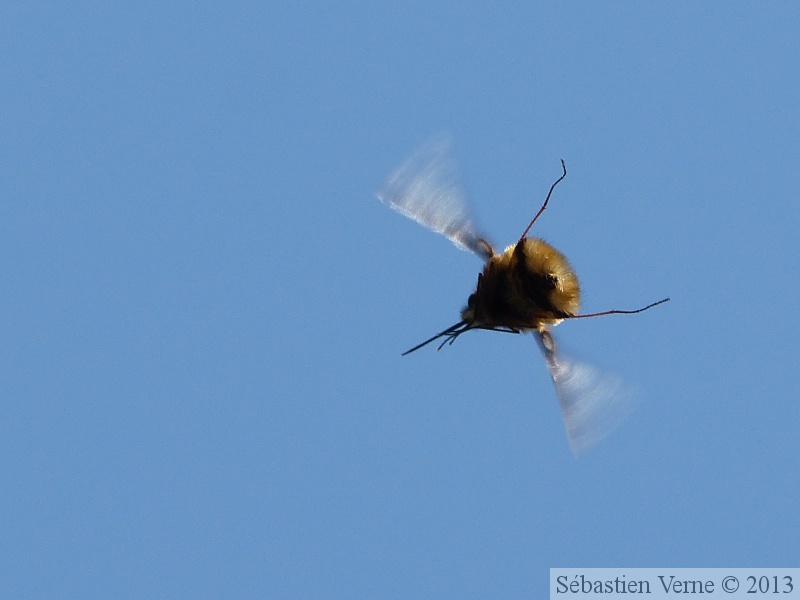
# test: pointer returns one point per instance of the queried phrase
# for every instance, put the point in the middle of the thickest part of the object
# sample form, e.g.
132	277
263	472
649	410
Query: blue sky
203	304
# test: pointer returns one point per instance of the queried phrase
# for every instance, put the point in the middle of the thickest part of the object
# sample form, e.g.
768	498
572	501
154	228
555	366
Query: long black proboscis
451	332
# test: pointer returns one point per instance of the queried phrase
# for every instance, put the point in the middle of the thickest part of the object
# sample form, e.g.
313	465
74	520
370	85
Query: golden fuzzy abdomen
528	286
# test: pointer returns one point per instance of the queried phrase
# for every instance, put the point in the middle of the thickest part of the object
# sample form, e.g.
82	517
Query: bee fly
529	287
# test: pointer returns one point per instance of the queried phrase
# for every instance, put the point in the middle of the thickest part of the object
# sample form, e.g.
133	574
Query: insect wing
426	189
593	404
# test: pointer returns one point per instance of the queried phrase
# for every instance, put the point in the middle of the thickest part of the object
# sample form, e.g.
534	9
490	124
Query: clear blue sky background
203	305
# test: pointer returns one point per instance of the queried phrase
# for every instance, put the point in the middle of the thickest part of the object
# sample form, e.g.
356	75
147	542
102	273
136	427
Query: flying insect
528	287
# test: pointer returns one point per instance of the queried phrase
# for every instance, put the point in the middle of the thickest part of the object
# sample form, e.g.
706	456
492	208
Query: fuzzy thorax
529	286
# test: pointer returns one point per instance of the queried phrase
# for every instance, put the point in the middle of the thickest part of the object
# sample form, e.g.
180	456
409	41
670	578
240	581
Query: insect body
530	286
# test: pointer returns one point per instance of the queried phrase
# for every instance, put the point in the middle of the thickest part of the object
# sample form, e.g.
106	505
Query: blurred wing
425	188
592	403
